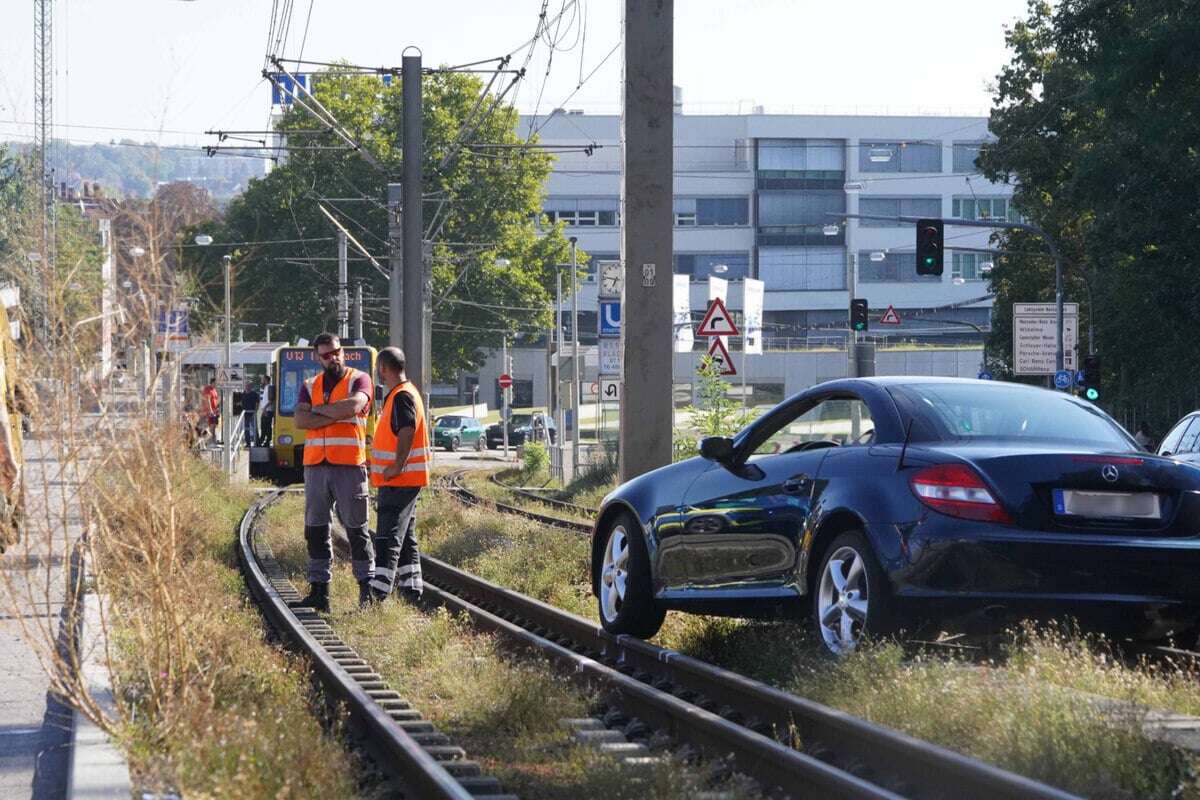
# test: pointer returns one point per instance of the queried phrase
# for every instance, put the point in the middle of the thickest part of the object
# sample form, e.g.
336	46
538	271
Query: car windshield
449	422
520	420
956	411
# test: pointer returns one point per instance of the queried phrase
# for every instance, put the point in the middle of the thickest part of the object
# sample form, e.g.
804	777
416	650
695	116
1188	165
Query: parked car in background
878	504
452	431
520	428
1182	442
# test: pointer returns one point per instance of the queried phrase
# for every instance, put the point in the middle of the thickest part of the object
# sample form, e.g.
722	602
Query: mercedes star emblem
1109	473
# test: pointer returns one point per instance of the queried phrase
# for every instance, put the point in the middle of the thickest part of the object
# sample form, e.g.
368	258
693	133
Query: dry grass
208	706
503	710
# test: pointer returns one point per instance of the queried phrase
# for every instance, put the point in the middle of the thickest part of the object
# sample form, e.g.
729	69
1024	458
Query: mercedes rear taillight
957	491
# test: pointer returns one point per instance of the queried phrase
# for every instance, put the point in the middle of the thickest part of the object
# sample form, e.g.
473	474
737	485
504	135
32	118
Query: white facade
752	192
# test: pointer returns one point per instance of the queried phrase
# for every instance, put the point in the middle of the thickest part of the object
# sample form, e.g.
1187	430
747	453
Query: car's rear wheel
850	598
479	444
625	597
453	444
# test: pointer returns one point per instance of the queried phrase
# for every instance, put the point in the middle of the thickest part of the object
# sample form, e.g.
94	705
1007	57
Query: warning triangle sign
720	354
890	317
717	321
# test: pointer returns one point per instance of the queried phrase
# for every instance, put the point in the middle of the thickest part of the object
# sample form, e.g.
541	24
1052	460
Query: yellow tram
290	367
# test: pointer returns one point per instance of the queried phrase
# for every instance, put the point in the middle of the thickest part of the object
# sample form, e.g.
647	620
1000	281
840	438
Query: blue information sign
610	317
985	376
1062	379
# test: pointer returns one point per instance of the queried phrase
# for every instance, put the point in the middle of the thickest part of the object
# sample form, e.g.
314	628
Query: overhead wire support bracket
355	242
323	115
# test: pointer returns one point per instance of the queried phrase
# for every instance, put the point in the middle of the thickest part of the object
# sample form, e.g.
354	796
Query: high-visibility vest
383	445
343	442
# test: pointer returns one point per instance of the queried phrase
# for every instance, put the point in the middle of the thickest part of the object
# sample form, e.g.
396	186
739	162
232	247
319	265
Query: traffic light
929	247
1091	377
858	314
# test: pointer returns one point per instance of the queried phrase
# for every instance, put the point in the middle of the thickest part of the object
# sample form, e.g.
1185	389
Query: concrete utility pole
647	128
416	310
504	415
343	303
576	389
227	394
396	263
356	313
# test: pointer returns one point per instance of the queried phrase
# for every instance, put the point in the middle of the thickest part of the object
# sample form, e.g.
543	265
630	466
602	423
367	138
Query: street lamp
203	239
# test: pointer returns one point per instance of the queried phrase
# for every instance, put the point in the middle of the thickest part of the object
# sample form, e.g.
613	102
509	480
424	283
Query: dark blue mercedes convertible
878	503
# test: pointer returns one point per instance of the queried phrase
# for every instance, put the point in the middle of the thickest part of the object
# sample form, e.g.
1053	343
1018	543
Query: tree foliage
480	207
1098	117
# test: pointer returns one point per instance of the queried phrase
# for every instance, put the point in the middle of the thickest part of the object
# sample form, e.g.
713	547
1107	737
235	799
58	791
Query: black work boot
366	595
317	598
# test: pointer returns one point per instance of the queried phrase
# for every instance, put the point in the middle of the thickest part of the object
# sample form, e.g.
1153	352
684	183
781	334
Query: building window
897	207
984	208
969	266
583	212
876	156
801	157
701	265
891	268
727	211
966	154
811	269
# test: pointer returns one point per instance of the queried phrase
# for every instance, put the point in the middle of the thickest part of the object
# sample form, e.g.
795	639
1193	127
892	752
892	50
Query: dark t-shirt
362	383
250	400
404	412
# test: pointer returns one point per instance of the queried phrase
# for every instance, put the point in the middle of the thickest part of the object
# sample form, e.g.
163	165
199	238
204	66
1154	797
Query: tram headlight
285	439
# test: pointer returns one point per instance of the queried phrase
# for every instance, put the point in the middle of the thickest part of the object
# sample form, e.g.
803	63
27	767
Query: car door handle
795	485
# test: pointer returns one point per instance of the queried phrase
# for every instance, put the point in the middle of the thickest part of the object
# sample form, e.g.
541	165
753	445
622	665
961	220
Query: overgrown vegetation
717	414
207	707
503	710
534	459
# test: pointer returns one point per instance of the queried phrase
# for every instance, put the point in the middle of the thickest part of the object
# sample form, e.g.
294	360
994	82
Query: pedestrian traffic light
1091	377
858	314
930	259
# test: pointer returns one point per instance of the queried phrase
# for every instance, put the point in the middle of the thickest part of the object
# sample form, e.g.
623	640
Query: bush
535	458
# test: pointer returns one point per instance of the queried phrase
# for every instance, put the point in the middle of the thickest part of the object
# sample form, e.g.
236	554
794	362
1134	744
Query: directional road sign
717	321
610	317
1035	334
610	390
610	356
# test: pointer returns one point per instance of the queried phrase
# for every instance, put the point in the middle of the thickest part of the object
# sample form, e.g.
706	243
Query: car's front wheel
625	595
850	597
479	445
453	444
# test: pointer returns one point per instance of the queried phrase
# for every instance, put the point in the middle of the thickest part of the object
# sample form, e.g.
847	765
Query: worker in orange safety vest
399	468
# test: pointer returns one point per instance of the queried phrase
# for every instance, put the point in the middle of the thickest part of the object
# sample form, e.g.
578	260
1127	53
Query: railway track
453	482
418	761
561	505
789	744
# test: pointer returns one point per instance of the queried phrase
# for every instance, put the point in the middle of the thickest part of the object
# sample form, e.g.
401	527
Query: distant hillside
134	169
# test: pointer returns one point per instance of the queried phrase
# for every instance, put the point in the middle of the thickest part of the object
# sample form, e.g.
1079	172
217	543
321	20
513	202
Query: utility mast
43	135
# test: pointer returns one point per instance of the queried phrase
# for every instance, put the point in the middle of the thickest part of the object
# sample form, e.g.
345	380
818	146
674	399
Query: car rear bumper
947	563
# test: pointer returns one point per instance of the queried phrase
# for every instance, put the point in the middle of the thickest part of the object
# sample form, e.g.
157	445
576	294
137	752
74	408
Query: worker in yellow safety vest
399	468
333	409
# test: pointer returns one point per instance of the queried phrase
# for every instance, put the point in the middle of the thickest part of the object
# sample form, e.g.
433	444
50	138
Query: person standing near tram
399	469
333	409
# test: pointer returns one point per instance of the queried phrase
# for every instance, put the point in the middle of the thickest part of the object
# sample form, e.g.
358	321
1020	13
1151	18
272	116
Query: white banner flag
752	316
682	314
717	288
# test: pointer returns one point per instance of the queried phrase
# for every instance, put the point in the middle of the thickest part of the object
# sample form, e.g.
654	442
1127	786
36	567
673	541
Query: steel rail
844	746
347	678
563	505
454	484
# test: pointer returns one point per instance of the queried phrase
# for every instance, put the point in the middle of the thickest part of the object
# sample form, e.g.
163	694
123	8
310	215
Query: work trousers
325	484
398	560
268	429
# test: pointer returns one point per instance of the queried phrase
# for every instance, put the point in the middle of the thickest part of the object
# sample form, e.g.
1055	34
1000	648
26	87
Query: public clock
611	277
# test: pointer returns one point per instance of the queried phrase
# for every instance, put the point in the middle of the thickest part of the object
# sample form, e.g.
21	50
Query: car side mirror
717	448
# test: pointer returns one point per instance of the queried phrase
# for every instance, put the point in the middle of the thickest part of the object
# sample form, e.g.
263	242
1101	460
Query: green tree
1097	126
481	205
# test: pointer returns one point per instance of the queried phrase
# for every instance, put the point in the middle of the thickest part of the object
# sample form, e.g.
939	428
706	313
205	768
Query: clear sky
167	70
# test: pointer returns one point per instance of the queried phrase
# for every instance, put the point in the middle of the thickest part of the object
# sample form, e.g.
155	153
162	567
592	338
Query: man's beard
334	372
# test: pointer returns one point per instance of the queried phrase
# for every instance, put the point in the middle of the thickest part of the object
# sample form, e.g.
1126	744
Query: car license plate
1101	505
